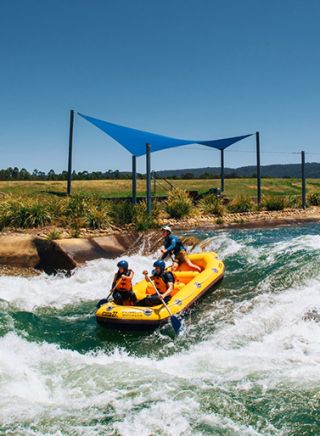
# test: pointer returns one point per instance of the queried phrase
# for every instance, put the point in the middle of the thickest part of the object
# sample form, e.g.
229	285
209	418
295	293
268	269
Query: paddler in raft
162	280
173	246
122	285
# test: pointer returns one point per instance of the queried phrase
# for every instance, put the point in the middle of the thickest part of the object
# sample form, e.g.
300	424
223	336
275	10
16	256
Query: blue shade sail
221	144
135	140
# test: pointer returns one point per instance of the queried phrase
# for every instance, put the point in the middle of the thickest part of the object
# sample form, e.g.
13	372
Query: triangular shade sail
135	140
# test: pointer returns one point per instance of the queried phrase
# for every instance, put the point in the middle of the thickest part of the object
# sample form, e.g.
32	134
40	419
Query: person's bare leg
174	266
192	265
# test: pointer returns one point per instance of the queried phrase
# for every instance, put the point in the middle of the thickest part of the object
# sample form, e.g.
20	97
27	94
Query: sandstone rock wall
28	251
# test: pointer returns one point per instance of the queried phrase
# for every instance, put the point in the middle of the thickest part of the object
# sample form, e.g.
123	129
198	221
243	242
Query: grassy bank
29	205
122	188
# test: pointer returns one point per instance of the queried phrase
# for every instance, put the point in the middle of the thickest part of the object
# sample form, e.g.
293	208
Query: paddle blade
176	324
101	302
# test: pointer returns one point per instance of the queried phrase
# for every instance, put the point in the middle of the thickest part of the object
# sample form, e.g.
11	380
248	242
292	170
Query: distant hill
289	170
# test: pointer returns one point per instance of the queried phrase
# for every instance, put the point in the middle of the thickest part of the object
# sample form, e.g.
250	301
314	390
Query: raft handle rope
196	283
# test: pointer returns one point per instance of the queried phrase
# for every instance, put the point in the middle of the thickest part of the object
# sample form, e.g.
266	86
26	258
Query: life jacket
159	283
125	283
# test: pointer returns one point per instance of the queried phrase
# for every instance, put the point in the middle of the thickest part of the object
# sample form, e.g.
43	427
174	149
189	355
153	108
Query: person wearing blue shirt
172	246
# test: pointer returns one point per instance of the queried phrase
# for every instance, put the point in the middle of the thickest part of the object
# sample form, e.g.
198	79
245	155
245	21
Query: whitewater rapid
246	363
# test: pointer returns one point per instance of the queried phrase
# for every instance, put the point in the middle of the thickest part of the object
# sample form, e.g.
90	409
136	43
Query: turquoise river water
246	363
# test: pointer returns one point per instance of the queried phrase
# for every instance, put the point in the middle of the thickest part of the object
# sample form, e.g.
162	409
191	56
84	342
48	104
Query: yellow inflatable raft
188	288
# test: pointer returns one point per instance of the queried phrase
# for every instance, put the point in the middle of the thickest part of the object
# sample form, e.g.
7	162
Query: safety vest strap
124	284
159	283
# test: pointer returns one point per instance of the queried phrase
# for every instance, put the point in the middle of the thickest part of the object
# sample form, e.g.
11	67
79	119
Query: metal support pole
148	177
303	180
222	170
134	179
70	152
258	169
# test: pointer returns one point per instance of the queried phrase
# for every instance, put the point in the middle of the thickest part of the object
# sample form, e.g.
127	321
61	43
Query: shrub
24	215
84	211
97	217
76	206
36	215
275	202
178	204
122	212
141	218
314	198
211	204
77	223
219	220
75	233
294	201
53	234
241	204
57	209
4	209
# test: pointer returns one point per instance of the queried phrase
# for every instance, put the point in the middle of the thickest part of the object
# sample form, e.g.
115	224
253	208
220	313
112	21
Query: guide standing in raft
173	246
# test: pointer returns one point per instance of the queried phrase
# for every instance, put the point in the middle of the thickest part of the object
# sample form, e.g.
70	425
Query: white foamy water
265	347
222	243
307	243
91	282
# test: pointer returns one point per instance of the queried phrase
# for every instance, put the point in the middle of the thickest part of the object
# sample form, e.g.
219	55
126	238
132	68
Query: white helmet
167	228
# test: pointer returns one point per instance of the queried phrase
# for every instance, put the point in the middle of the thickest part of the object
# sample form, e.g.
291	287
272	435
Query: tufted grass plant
294	201
53	235
76	206
24	213
178	204
141	218
314	199
241	204
122	212
211	204
97	217
278	202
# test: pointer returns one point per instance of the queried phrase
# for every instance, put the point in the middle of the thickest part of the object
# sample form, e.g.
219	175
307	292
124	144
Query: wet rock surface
26	253
19	251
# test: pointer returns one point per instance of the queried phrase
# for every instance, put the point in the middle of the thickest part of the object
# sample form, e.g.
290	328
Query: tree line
23	174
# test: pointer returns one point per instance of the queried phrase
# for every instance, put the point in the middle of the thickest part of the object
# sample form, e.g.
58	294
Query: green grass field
122	188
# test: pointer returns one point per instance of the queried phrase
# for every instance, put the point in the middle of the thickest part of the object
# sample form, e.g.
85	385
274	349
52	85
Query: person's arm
147	277
165	254
169	290
172	246
114	281
169	279
130	276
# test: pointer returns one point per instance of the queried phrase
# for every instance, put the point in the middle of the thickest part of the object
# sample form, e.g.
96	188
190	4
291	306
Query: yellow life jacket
159	283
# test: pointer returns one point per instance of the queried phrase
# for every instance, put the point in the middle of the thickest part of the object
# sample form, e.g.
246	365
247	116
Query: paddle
105	300
176	324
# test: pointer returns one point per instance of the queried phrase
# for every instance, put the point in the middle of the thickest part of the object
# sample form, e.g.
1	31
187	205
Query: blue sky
185	68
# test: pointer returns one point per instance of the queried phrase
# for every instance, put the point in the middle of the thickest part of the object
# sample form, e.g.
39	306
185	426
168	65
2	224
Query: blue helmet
161	264
123	264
